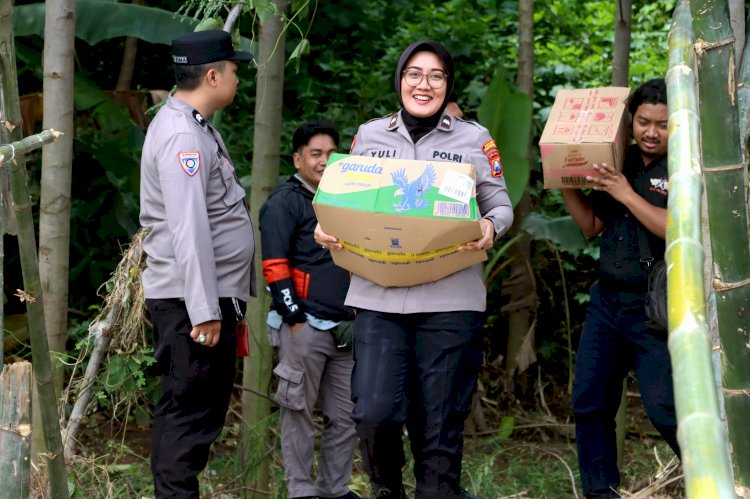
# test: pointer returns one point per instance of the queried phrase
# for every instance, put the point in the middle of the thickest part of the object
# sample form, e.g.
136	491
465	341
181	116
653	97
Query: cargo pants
311	368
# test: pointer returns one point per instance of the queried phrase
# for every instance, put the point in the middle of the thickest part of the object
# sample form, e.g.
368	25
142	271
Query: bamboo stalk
120	323
724	176
8	152
100	332
15	429
13	155
705	458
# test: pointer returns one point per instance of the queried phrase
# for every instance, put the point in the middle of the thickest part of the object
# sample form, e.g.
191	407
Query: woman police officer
418	349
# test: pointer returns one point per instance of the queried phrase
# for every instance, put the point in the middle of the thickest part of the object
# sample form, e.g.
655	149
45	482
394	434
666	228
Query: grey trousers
310	368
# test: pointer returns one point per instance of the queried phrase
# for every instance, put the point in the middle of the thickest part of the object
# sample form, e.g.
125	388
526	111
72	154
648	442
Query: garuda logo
412	192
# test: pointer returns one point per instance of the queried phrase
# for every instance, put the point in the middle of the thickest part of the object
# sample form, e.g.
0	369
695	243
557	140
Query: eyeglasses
435	79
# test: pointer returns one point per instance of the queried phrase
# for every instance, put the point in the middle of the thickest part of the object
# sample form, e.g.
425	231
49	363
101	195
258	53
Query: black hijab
419	127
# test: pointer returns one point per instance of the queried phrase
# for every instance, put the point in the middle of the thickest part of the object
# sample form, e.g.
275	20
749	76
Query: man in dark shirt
625	208
307	321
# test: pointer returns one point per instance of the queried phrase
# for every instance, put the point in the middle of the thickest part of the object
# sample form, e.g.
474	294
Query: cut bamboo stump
15	430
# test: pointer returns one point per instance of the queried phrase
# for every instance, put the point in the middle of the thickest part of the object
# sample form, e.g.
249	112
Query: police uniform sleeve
357	143
278	225
492	194
184	164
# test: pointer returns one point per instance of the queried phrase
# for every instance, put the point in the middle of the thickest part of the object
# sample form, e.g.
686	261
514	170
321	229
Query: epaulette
199	118
393	117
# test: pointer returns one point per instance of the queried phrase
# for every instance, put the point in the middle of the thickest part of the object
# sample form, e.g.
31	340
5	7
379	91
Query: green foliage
561	231
342	57
506	113
147	23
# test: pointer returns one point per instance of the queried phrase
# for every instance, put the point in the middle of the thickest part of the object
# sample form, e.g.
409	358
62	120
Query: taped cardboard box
400	221
584	127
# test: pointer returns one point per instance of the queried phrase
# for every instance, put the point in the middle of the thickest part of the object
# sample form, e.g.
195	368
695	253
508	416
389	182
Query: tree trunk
621	57
520	286
256	377
8	79
127	67
15	429
724	174
621	78
57	161
29	265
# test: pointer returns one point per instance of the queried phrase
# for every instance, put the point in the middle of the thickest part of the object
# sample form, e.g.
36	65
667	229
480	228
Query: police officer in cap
200	251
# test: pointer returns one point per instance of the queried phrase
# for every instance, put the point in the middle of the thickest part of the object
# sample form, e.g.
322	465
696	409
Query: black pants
196	387
615	338
420	370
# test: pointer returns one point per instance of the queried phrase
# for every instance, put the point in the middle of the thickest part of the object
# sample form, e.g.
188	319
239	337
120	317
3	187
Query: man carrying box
616	336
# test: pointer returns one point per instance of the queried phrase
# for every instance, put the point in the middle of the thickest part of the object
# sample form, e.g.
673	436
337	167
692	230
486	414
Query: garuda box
400	221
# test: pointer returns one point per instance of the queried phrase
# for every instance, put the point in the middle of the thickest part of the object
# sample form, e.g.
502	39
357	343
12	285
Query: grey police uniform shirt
452	140
201	244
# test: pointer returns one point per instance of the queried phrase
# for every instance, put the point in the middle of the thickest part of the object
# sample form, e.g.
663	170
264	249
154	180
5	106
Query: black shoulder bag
656	296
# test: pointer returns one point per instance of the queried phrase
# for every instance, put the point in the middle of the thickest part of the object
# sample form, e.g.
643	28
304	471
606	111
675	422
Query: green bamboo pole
743	92
15	430
12	156
724	176
9	152
705	458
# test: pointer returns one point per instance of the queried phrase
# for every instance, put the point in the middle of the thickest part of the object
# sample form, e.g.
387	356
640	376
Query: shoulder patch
190	162
354	143
489	149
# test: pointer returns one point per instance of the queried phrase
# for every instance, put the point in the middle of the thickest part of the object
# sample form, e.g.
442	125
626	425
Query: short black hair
306	131
189	77
652	92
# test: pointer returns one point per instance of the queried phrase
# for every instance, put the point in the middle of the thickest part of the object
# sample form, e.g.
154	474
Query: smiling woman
423	94
434	328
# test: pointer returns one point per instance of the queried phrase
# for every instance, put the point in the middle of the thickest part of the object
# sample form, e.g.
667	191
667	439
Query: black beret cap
203	47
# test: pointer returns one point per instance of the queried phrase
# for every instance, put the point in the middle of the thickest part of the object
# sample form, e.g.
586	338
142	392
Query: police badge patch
190	162
489	148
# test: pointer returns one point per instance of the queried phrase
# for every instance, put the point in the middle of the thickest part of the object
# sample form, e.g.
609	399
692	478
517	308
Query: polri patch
190	162
439	155
489	148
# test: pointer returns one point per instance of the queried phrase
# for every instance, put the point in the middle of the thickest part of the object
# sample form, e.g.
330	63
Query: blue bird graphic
412	192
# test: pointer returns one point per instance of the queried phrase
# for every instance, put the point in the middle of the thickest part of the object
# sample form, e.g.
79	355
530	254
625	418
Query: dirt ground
533	456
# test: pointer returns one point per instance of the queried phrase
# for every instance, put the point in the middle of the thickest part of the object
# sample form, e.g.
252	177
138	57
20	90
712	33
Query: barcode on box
575	181
452	210
457	186
456	191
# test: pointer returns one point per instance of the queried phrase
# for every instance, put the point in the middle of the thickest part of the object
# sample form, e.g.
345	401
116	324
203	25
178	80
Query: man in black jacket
306	322
625	208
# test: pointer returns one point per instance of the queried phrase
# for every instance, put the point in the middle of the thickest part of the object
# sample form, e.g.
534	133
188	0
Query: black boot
387	492
465	495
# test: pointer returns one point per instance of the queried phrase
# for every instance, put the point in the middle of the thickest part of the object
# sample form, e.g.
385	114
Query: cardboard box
400	221
584	127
